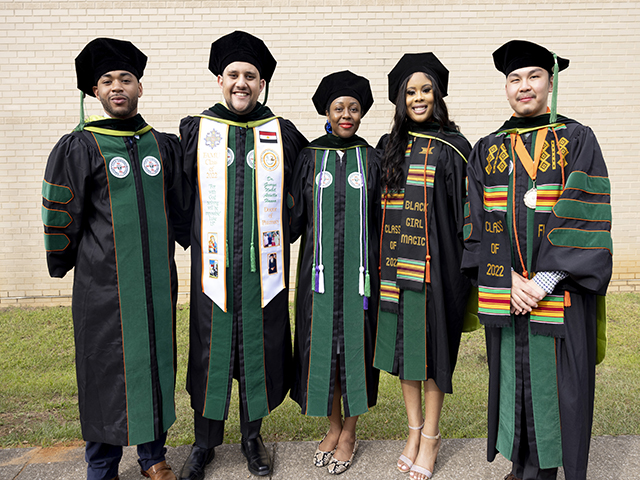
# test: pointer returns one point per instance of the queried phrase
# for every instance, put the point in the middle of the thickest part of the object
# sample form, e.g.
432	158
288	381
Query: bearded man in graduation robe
112	205
239	157
538	245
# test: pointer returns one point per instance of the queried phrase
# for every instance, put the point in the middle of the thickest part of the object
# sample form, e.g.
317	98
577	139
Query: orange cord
427	267
384	212
525	274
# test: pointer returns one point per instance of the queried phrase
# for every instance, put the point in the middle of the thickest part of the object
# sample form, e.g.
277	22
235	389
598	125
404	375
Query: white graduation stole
269	162
212	178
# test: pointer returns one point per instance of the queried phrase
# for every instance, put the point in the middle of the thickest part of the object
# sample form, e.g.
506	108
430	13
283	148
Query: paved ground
611	458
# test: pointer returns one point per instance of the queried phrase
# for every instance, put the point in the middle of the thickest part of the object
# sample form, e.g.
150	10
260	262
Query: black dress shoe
258	459
199	458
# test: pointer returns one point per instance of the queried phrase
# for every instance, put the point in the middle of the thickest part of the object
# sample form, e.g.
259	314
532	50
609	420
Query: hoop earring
327	127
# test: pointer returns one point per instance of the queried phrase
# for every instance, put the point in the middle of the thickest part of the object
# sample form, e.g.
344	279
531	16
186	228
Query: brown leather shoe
159	471
511	476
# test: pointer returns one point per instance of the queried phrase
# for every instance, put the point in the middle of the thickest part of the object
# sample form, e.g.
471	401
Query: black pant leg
208	433
249	430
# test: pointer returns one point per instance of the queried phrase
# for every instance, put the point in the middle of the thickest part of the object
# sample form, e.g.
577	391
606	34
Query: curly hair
394	152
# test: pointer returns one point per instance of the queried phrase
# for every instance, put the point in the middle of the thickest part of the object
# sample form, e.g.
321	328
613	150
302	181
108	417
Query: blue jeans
103	459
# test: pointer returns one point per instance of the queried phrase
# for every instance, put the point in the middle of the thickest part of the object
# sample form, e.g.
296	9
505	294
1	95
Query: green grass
39	406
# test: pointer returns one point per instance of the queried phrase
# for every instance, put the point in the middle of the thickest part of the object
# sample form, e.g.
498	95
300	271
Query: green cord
554	96
80	125
367	285
253	215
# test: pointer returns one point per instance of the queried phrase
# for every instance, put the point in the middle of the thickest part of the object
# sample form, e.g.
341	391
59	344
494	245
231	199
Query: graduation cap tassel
554	96
361	282
82	95
266	94
80	125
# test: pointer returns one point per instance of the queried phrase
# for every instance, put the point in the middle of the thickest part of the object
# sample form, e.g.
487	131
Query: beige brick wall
39	40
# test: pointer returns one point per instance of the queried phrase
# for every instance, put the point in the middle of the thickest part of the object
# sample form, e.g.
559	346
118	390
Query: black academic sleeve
65	189
577	237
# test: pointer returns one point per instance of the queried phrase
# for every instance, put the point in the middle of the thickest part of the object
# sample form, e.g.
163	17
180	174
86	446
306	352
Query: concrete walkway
611	458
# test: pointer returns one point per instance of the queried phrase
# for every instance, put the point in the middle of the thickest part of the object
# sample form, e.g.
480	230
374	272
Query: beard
123	111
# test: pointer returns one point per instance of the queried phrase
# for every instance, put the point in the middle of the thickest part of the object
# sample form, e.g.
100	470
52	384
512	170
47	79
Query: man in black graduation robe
240	325
112	204
538	245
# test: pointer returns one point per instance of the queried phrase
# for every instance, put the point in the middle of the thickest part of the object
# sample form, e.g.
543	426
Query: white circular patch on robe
355	180
530	198
327	179
119	167
251	158
230	156
151	166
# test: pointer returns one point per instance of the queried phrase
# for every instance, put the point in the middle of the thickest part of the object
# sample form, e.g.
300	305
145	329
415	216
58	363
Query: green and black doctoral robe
419	329
335	330
247	342
541	365
112	201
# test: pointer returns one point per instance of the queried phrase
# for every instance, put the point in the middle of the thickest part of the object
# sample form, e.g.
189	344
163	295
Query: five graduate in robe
392	239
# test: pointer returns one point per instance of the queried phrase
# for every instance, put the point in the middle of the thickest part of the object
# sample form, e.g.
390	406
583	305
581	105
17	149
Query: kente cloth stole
548	317
354	295
404	232
127	181
214	156
494	289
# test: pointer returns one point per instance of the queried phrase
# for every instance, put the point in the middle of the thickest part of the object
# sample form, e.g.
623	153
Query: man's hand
525	294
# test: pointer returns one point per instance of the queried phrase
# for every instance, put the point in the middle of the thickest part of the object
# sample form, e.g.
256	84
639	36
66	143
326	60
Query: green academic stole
353	306
264	178
495	291
544	392
125	179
